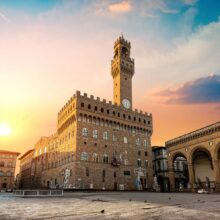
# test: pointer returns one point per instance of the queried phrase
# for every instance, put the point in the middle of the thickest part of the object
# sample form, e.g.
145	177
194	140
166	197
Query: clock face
126	103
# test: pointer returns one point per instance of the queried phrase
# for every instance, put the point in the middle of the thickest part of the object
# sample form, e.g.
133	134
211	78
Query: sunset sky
49	49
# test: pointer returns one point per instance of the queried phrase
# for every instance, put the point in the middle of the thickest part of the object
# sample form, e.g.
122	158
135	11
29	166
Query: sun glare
5	130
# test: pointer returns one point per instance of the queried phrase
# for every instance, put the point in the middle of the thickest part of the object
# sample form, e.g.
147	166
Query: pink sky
45	58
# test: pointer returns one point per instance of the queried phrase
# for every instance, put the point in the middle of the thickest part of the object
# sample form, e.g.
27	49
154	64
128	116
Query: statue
156	186
66	178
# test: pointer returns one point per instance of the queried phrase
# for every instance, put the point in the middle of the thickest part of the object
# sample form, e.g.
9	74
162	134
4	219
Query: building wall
24	180
7	169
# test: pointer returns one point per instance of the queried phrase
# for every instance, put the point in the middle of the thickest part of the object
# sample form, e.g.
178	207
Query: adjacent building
7	169
160	167
25	179
200	151
98	144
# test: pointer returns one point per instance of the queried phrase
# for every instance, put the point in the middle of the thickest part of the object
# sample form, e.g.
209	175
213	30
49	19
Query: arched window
124	51
97	121
139	162
84	156
95	108
138	143
89	106
105	135
105	158
84	132
146	163
95	134
82	104
2	163
114	138
126	162
125	140
145	143
9	173
102	110
1	173
95	157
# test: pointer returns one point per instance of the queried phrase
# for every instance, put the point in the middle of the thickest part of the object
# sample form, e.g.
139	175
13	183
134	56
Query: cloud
148	8
4	18
199	91
121	7
217	108
152	7
190	2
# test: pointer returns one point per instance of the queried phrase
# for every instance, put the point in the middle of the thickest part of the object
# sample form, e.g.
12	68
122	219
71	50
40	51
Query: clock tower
122	71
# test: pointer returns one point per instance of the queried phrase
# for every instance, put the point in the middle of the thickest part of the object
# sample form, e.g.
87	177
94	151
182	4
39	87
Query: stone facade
99	144
201	150
7	169
25	178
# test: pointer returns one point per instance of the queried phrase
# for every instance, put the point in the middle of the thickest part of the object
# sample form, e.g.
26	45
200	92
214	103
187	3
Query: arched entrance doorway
4	185
164	183
203	168
180	168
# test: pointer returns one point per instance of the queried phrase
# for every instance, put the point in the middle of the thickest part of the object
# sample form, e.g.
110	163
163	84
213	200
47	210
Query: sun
5	130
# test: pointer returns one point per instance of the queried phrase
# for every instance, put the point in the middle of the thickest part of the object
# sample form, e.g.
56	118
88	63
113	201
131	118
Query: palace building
98	144
7	169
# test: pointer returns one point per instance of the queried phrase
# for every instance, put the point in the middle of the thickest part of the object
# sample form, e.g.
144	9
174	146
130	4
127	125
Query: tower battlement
121	40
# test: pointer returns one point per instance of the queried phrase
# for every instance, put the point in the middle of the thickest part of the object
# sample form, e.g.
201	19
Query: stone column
171	178
191	177
217	174
191	173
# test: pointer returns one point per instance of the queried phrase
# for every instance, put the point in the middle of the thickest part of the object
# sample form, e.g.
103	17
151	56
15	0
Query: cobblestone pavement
116	205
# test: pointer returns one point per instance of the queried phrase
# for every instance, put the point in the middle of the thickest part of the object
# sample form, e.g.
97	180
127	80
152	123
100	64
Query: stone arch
177	154
90	119
198	148
179	162
202	163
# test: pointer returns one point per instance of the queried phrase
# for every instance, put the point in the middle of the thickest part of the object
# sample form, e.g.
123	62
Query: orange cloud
122	7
